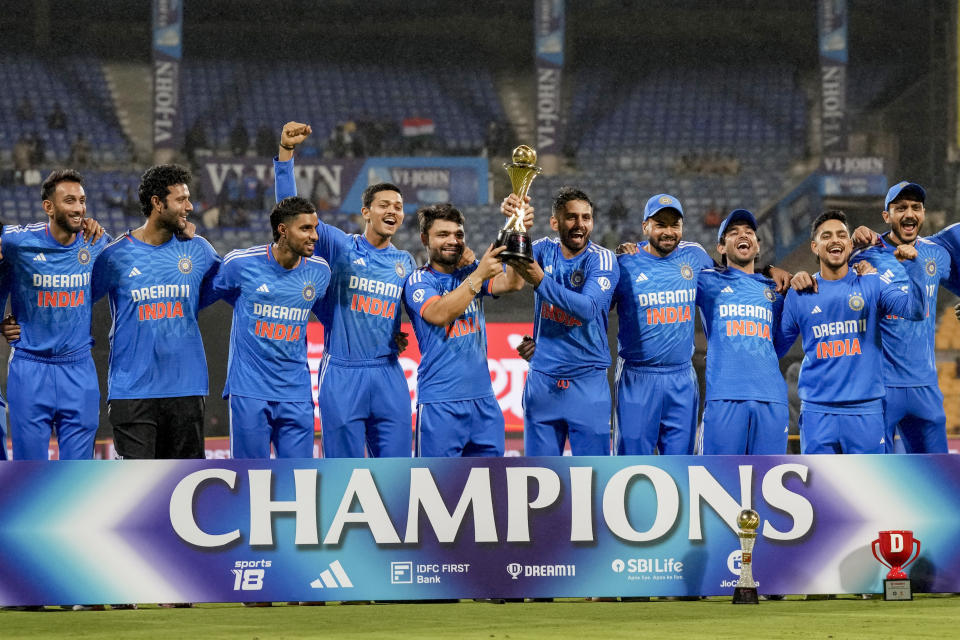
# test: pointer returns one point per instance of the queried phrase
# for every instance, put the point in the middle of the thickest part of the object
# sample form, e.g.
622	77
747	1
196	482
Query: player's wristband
288	147
475	290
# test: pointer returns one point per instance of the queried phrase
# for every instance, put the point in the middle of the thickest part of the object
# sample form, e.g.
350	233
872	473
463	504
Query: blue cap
896	189
659	202
737	215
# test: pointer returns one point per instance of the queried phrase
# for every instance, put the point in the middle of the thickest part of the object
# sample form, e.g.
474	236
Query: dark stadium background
901	88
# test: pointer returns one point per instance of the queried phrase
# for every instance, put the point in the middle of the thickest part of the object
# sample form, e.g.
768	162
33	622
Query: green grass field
926	617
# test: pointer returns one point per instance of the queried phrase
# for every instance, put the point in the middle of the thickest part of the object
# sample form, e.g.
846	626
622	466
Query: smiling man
746	409
52	383
363	394
157	282
913	404
273	288
566	394
841	379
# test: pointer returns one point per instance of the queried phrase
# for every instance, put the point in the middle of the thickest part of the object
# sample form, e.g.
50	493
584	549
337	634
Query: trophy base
897	590
745	595
517	243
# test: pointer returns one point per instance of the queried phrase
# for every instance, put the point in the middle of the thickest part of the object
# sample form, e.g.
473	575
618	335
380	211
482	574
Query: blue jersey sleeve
331	241
787	329
208	294
284	183
225	283
600	280
908	304
420	291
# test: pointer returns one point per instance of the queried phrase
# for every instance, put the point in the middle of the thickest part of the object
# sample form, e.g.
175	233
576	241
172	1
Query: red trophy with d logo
897	551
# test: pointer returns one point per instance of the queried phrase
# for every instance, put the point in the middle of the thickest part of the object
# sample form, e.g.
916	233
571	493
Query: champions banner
399	529
167	52
337	185
549	32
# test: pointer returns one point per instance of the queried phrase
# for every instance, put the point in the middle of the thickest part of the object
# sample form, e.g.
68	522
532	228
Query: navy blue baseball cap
737	215
899	188
658	203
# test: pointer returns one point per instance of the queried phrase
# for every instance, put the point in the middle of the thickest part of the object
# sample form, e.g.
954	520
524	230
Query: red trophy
897	549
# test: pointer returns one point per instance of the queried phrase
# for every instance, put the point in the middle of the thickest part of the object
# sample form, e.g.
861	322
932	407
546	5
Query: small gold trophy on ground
514	235
746	590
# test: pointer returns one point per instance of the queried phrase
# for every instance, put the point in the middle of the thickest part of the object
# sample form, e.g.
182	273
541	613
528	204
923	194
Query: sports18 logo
248	574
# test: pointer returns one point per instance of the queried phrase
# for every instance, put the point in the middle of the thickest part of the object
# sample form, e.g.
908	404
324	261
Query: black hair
427	215
286	209
374	189
833	214
157	180
56	177
568	194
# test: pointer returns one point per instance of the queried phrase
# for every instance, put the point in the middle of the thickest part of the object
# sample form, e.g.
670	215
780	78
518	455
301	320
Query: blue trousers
656	410
256	424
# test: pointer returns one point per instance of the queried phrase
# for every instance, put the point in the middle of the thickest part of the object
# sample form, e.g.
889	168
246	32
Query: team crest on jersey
399	268
604	283
856	302
931	267
576	278
687	272
309	291
83	256
185	265
768	293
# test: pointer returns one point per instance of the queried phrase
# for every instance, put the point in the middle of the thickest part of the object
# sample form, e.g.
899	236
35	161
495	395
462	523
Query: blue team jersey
453	359
271	307
949	239
840	329
740	312
656	300
361	314
909	356
155	293
572	306
50	289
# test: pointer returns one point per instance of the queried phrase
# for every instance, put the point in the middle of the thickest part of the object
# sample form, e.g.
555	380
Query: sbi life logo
647	565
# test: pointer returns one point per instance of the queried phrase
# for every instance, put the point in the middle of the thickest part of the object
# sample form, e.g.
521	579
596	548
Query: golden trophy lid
748	519
524	155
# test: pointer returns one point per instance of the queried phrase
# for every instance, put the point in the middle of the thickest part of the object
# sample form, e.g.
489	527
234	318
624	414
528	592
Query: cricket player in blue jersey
157	283
52	383
841	379
745	410
273	288
566	393
657	397
457	411
363	394
913	405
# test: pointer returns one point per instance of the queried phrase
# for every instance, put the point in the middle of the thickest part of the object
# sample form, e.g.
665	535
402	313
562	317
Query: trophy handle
873	547
916	555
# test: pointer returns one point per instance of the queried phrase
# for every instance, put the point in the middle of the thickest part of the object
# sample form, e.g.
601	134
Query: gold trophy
514	235
746	590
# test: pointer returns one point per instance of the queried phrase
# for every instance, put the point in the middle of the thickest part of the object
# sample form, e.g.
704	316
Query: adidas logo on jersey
360	261
333	578
39	258
263	288
134	272
726	289
816	309
642	278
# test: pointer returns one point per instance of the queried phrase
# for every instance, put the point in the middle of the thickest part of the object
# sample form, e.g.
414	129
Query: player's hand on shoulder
803	282
905	252
400	338
467	258
864	237
863	268
188	232
956	310
781	277
92	231
527	347
10	328
629	248
294	133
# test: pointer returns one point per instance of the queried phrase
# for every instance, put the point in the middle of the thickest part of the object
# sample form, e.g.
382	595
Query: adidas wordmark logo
642	278
360	261
816	309
134	272
39	258
333	578
726	289
263	288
